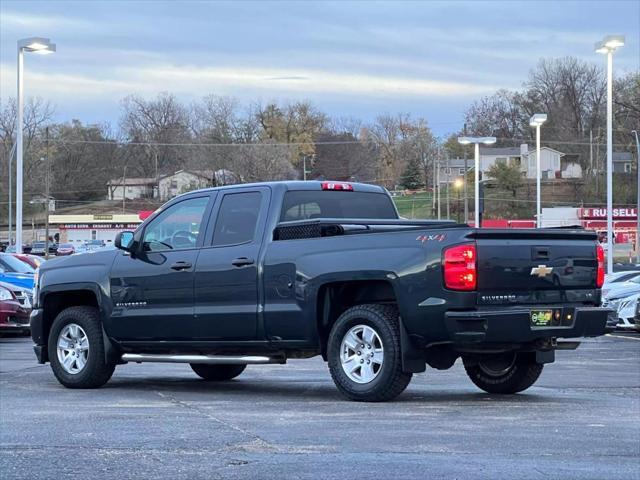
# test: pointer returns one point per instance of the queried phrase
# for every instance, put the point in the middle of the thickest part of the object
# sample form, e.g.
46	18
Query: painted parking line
623	336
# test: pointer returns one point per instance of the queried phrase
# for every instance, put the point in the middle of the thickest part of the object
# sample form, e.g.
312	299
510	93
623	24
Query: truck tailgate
535	264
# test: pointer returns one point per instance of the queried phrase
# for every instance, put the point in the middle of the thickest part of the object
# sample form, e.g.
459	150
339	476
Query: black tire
390	381
520	375
96	371
217	373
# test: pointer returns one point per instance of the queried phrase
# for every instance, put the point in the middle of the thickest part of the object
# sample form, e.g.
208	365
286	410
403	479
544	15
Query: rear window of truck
309	204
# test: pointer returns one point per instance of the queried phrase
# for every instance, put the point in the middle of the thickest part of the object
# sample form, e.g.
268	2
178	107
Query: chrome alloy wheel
73	348
361	354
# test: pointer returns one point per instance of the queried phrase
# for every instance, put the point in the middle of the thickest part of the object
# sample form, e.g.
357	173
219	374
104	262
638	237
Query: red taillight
600	258
337	186
459	265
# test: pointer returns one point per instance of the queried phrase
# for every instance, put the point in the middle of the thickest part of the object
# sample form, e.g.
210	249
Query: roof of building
510	151
117	182
456	163
622	157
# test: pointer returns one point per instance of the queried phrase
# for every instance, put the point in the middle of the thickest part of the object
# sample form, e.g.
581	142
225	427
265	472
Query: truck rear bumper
514	325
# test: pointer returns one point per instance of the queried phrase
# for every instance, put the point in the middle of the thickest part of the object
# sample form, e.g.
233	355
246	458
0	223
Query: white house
551	165
131	188
186	180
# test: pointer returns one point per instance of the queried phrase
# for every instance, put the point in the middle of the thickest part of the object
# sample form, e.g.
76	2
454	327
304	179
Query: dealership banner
602	213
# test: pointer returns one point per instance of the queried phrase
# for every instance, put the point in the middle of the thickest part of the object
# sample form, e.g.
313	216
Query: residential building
623	162
453	168
186	180
551	161
130	188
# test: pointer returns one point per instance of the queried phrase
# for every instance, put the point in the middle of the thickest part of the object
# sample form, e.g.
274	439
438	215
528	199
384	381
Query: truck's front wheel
76	349
364	354
502	373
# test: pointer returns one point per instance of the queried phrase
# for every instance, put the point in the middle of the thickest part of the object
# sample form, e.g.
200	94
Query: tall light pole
607	46
635	132
41	46
536	121
477	141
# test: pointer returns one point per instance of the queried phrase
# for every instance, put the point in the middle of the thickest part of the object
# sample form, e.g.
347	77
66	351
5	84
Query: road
580	421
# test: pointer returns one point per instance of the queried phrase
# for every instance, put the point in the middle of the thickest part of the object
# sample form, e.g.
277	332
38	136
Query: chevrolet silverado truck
226	277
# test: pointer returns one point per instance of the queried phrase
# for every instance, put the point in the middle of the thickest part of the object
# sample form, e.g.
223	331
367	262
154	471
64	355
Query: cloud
187	80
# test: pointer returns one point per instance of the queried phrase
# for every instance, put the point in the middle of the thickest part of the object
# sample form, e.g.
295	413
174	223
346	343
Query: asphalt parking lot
581	420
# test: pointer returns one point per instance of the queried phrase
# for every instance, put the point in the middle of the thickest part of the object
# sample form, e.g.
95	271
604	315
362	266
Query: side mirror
124	241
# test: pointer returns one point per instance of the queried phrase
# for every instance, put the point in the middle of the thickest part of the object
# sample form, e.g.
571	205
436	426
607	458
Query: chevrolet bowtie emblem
541	271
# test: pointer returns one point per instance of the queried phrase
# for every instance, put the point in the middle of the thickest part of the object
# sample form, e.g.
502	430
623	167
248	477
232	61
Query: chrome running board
208	359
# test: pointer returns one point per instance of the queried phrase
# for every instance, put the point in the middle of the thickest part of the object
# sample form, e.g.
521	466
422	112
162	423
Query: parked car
249	274
38	248
32	260
16	272
65	249
617	277
617	290
94	244
14	316
628	309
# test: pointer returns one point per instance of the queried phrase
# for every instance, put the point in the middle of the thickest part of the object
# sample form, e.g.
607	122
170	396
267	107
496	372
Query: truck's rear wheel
364	354
217	372
76	349
502	373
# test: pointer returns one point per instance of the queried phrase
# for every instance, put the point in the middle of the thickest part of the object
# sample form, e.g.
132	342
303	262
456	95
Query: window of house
447	171
501	160
515	161
461	171
174	183
627	168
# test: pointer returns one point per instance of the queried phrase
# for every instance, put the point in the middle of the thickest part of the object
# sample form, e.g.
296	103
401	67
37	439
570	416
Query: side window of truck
177	227
237	218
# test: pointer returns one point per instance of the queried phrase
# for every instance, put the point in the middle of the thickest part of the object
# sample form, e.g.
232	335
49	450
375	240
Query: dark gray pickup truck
228	277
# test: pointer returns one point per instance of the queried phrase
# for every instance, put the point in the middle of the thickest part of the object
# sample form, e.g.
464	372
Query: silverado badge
541	271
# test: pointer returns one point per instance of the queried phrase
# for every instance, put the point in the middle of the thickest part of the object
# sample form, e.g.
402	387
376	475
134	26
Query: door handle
242	261
179	266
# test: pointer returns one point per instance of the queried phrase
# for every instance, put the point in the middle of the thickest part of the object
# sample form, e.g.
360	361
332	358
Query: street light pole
536	121
477	141
47	196
19	167
635	132
476	184
608	46
35	45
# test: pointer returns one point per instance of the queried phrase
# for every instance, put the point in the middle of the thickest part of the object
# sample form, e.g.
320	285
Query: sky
351	59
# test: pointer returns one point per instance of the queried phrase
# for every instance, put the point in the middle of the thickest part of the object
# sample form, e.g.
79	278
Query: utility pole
591	150
435	188
124	188
47	193
447	169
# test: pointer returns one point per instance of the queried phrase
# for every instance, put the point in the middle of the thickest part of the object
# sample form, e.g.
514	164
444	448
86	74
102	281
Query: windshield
9	263
309	204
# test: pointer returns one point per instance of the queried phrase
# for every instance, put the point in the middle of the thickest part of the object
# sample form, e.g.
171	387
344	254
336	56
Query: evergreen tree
412	175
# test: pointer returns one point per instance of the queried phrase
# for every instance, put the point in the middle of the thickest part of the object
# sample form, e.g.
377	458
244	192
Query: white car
628	313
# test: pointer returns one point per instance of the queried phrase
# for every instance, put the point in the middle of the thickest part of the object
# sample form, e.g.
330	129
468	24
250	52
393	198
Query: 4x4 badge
541	271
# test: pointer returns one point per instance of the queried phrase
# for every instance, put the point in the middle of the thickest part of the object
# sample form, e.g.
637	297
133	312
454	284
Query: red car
13	316
32	260
65	249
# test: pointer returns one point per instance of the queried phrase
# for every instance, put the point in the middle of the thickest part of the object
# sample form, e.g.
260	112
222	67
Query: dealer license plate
541	318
